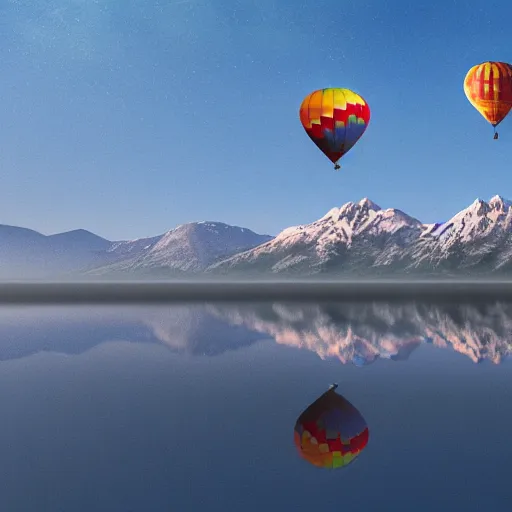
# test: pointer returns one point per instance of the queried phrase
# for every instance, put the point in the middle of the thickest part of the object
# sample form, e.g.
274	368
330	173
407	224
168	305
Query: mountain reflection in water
352	333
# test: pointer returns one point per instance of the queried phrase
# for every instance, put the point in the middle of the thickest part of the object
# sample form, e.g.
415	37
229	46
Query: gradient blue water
121	410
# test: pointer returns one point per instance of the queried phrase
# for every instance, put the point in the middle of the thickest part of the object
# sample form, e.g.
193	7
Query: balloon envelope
331	432
488	87
334	119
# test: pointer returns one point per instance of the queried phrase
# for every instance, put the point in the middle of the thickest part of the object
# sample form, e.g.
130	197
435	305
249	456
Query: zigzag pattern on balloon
334	119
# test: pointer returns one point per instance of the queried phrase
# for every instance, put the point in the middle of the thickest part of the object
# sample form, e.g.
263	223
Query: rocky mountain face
189	248
477	238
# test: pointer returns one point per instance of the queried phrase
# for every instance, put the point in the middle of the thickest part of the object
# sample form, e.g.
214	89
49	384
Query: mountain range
364	239
187	249
355	239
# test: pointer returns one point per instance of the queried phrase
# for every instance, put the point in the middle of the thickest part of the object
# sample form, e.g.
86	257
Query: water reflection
75	330
361	333
151	425
352	333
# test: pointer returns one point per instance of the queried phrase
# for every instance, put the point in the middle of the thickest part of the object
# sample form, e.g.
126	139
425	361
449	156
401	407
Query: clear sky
128	117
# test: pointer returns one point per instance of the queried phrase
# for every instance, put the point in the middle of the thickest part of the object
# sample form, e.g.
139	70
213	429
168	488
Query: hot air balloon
334	119
331	432
488	87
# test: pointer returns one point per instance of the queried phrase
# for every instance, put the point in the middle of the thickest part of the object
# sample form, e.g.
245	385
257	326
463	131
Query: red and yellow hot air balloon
331	432
334	119
488	87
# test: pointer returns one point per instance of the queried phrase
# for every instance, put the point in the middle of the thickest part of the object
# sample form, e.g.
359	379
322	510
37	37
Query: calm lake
190	408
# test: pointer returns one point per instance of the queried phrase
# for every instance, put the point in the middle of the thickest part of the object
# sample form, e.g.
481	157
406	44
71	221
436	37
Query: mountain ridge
26	253
364	239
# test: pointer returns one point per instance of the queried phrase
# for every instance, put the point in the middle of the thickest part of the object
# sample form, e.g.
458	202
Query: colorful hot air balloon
488	87
334	119
331	432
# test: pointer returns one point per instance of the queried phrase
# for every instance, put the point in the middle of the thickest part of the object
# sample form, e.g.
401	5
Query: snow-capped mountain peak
191	247
475	235
367	203
338	223
356	238
362	237
498	202
478	220
353	224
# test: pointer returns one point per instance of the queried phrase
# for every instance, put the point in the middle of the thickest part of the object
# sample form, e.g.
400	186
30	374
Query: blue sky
128	117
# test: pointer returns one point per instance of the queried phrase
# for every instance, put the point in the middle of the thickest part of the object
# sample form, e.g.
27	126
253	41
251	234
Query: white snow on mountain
476	221
194	246
356	238
132	247
364	225
188	248
474	236
25	253
364	238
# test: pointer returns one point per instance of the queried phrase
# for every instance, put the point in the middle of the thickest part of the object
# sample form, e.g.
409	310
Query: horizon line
454	291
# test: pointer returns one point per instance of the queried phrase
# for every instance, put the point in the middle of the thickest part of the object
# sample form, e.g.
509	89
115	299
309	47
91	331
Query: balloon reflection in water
331	432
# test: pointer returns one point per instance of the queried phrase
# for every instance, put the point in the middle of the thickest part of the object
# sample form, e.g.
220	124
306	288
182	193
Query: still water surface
193	408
